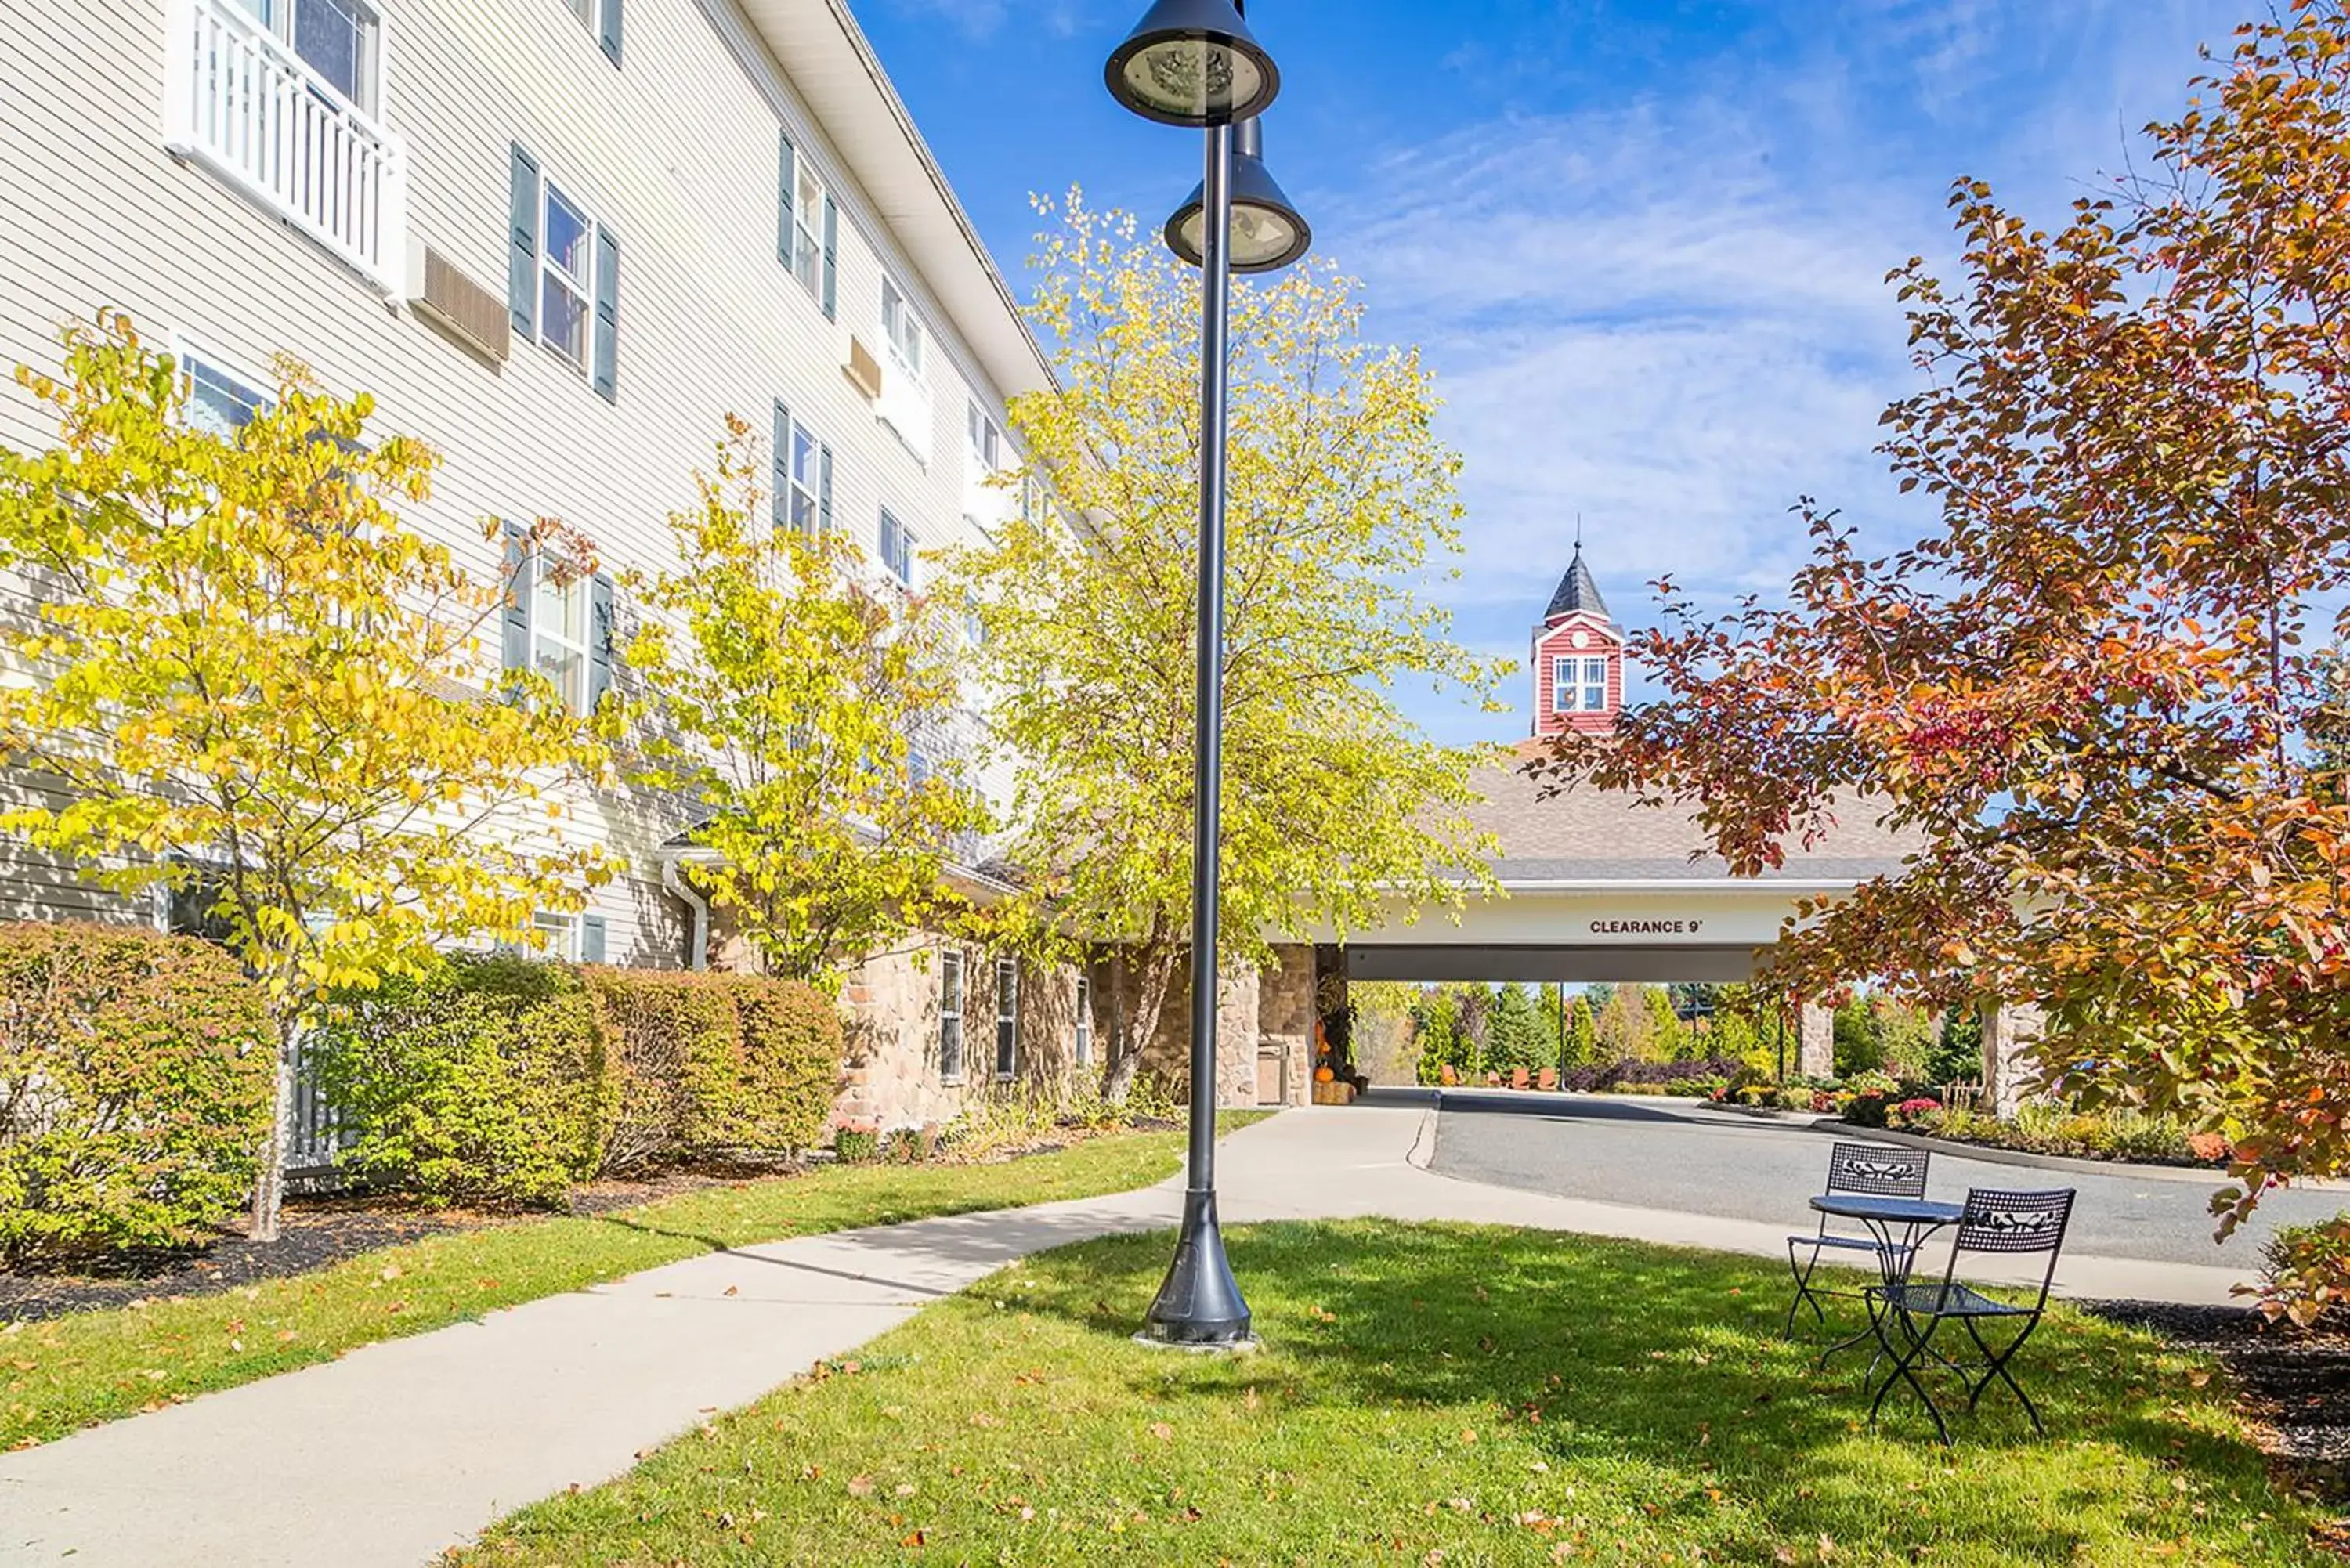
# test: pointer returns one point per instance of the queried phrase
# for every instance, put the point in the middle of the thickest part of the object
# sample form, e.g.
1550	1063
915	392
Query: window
896	548
1085	1021
340	40
219	403
903	331
559	936
950	1017
559	628
566	275
1578	684
1561	686
1007	1017
1594	685
918	769
808	227
602	20
798	486
986	441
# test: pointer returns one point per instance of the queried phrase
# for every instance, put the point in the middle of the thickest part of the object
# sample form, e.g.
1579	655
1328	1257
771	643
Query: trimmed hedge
1614	1077
136	1074
485	1080
508	1080
708	1061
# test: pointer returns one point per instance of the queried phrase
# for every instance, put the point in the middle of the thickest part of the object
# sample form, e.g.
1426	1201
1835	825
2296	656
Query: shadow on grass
1596	1351
1427	1394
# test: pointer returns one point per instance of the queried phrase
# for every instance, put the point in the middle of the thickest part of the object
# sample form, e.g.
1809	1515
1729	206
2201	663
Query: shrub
792	1052
2305	1272
856	1142
136	1074
485	1080
708	1061
910	1146
1633	1077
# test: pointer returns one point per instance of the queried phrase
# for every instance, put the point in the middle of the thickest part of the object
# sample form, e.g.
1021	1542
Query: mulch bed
315	1232
2293	1382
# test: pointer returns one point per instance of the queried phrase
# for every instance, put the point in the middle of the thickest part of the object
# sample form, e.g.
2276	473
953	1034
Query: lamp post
1194	63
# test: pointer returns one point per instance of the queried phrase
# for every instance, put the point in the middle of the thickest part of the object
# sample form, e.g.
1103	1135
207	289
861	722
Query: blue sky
1641	241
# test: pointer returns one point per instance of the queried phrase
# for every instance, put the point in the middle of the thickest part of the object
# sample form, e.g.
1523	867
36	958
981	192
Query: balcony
240	102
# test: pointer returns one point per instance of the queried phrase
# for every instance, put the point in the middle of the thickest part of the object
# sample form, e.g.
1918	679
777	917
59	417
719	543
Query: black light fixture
1268	232
1192	63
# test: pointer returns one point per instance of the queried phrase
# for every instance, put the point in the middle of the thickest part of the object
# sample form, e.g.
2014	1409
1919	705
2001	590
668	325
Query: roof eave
833	66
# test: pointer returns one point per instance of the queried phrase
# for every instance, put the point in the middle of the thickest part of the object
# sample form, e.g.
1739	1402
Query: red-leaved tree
2100	682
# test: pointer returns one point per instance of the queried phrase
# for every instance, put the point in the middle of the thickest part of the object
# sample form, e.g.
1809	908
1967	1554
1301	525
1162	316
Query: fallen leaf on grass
860	1486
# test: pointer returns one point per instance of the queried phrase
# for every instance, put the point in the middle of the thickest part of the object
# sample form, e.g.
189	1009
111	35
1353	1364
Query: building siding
676	151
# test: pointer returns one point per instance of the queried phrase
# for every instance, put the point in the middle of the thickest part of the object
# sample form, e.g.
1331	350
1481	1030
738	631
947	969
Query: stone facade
893	1074
1241	999
2008	1030
1815	1041
1285	1019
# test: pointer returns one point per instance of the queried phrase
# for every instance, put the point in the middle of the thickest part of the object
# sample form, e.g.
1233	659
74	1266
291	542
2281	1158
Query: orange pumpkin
1323	1074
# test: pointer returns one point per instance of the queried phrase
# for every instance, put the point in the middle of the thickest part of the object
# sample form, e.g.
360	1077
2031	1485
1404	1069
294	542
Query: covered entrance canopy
1596	885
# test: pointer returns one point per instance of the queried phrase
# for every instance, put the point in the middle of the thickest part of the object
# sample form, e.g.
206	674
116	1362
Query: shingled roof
1587	834
1578	591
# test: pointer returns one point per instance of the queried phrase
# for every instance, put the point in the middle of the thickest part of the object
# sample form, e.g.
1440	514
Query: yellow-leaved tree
243	679
808	713
1341	511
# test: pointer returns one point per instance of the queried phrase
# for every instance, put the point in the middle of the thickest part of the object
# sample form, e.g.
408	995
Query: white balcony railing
242	104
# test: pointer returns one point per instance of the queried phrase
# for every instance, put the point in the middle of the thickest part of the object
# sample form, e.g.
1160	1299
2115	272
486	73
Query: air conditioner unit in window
454	302
863	369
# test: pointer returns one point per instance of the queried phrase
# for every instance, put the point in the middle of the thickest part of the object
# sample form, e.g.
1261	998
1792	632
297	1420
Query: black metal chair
1881	1170
2005	1223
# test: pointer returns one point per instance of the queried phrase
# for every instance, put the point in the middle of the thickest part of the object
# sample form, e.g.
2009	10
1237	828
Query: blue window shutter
790	162
521	260
823	490
600	638
783	465
610	34
831	258
591	939
608	315
517	579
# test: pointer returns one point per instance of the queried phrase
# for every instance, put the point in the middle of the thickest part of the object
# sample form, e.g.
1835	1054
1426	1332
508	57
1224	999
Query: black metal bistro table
1914	1217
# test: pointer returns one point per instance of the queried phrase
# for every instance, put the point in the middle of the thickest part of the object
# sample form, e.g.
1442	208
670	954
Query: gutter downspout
697	951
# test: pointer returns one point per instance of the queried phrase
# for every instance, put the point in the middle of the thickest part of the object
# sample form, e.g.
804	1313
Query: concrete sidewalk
397	1450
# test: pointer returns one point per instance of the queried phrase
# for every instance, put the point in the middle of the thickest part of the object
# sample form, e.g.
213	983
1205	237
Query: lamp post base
1199	1305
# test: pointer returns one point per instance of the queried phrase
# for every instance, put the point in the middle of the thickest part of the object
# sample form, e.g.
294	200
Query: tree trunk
1157	974
269	1184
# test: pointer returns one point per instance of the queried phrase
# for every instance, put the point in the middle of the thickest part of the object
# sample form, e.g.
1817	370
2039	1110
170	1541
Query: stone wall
892	1074
1815	1041
2008	1030
1167	1055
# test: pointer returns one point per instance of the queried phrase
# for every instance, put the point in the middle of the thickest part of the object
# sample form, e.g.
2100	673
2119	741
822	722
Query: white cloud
1670	314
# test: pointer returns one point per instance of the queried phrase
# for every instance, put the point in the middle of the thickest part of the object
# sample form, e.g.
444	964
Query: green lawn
95	1366
1429	1394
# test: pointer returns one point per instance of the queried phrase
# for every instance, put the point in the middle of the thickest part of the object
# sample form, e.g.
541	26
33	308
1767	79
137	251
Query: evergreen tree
1582	1033
1514	1032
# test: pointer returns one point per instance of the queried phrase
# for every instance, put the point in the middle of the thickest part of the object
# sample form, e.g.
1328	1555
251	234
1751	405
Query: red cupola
1578	658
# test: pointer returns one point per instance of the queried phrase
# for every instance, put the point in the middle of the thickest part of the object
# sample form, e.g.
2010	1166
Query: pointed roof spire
1578	591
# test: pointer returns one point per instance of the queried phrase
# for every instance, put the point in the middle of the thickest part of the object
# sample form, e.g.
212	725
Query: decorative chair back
1878	1170
2015	1223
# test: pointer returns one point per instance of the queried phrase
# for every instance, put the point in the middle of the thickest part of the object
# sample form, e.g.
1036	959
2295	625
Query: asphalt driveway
1696	1160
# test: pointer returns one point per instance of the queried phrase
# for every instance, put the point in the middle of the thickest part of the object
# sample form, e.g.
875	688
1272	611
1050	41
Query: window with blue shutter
823	490
831	261
591	939
608	315
896	548
520	562
522	261
609	34
805	223
599	639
